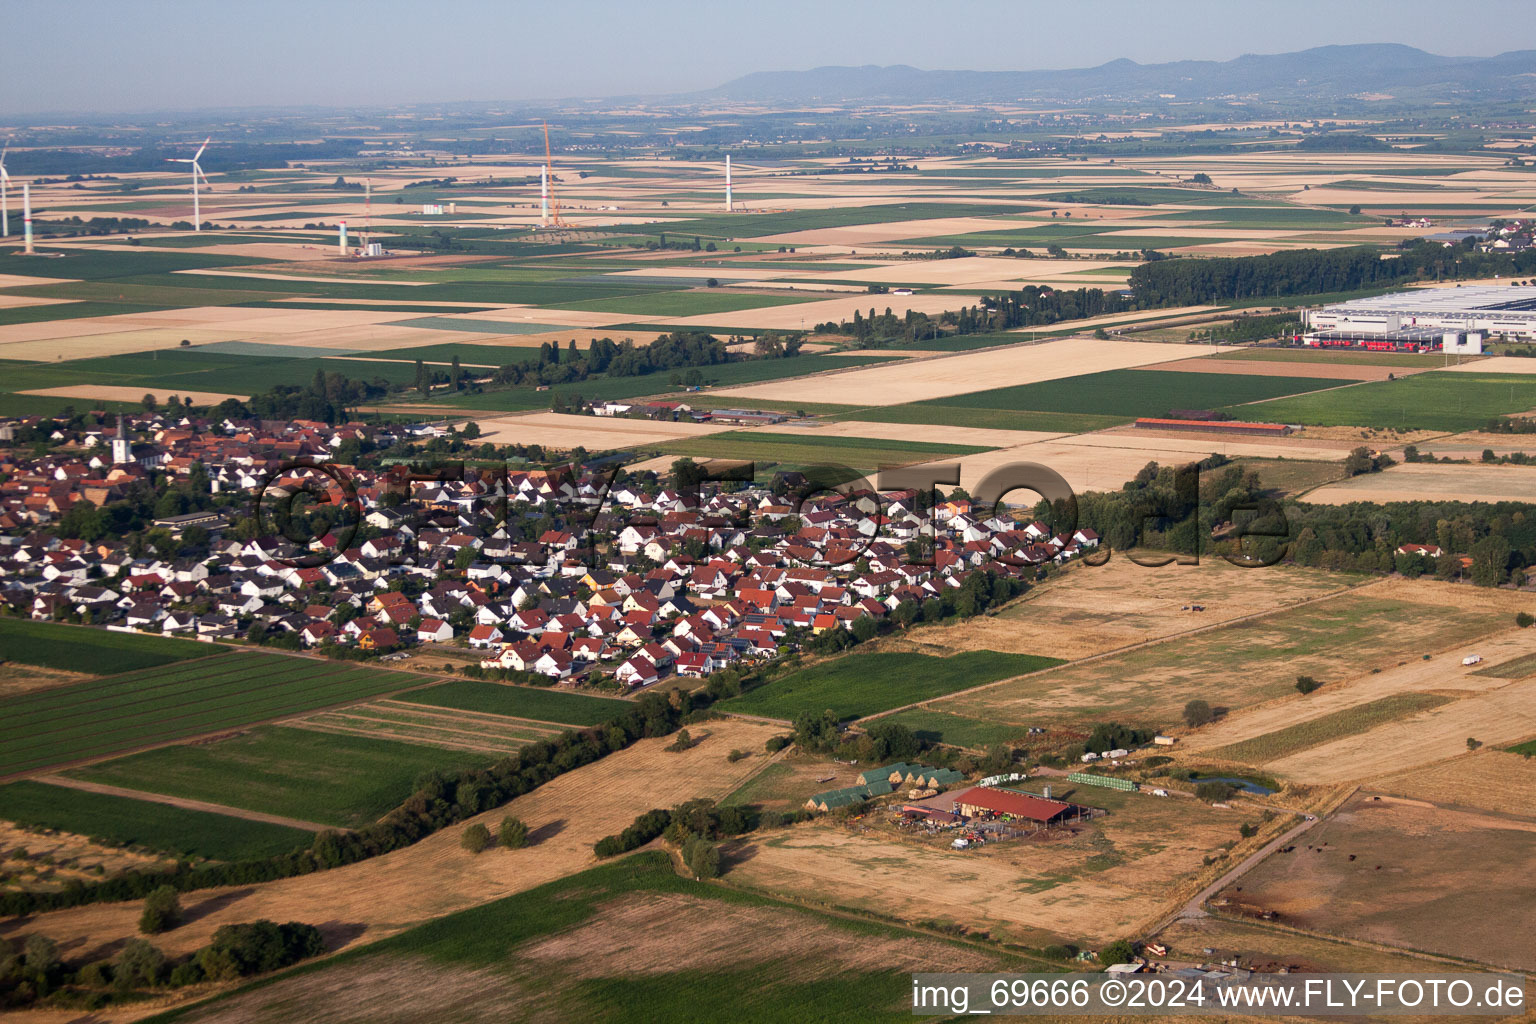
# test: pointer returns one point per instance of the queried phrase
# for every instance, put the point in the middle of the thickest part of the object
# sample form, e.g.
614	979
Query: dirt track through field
184	804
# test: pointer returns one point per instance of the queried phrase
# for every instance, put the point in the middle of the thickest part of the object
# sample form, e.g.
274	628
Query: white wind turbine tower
5	182
197	170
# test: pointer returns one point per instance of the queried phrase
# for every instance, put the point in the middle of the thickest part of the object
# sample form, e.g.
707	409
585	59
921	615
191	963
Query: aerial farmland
720	554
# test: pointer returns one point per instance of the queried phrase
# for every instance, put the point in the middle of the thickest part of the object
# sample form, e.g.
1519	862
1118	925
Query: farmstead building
986	802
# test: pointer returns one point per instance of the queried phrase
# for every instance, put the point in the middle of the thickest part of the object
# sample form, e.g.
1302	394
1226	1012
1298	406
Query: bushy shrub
475	838
162	911
513	834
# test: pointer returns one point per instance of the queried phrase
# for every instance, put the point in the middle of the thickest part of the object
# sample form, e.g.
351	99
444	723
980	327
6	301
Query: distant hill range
1366	71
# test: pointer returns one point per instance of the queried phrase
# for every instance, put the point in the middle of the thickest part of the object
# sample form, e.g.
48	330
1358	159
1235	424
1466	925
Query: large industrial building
1456	319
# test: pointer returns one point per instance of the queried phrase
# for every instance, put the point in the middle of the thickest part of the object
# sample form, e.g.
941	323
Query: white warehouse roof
1496	309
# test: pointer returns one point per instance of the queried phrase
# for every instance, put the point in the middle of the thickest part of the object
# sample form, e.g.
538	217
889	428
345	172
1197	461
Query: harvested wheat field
595	433
8	301
1417	481
382	896
959	374
1261	368
641	935
916	432
796	316
123	393
1093	609
1497	364
1472	444
1245	663
561	317
1490	780
1166	443
1408	874
637	938
55	857
1442	673
1105	460
1115	875
1501	715
24	281
17	678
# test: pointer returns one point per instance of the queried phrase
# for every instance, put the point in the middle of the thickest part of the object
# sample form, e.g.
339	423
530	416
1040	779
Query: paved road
190	805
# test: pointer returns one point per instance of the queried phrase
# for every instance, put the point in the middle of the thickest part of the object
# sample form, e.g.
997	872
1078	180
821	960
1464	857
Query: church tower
122	448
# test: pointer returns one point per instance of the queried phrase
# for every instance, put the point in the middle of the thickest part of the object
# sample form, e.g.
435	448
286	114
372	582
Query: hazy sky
124	55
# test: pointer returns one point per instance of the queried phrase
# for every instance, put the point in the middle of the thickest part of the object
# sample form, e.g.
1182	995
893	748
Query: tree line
1186	282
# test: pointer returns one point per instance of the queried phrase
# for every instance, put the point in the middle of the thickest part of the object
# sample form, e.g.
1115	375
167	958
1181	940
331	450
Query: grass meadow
77	649
575	709
347	781
122	821
865	682
1449	401
156	705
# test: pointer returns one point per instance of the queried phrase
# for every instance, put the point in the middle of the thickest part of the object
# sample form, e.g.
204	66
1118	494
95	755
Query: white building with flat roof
1428	314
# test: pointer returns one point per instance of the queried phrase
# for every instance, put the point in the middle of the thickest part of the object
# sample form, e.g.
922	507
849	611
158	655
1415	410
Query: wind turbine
5	181
197	169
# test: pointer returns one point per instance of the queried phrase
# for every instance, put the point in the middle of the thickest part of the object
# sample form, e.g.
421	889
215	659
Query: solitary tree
162	911
703	858
1198	713
475	838
513	834
1118	952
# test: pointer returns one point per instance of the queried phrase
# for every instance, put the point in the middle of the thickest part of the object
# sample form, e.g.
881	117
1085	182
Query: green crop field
121	821
561	944
991	419
956	730
687	303
753	225
78	649
225	367
155	705
576	709
347	781
99	264
862	683
1449	401
749	371
1136	392
71	311
810	449
469	354
1348	722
